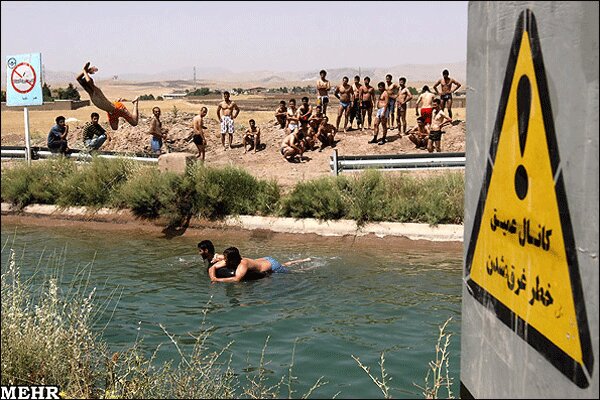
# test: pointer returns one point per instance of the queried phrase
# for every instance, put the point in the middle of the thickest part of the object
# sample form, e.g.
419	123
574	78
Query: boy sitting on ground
251	137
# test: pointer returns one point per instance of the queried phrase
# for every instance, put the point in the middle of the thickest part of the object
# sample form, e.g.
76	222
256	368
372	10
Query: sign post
24	87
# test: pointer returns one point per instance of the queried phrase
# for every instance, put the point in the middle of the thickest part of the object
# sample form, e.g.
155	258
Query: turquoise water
345	302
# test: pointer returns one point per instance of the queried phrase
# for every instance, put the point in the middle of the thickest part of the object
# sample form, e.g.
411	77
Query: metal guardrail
19	152
396	162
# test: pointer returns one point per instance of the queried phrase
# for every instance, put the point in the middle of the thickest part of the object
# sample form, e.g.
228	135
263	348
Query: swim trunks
426	114
447	96
227	125
365	105
276	266
156	145
120	111
198	140
292	127
435	135
322	100
391	104
344	105
380	113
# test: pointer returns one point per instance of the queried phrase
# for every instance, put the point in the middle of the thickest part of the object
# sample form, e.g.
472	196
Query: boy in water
243	266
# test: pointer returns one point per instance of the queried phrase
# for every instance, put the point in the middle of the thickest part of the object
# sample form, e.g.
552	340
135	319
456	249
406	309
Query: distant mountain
412	72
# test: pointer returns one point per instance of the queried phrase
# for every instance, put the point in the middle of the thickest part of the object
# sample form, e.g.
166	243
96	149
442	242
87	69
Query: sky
151	37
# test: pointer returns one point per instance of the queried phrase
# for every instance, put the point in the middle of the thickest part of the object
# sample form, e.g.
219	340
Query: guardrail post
335	162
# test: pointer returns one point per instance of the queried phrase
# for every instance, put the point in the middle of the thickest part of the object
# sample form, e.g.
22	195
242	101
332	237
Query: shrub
320	198
366	196
40	183
95	183
148	192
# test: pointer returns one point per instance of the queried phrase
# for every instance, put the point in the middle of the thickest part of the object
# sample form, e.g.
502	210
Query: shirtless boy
355	112
281	114
381	117
323	86
304	111
425	100
251	137
447	90
292	117
291	147
344	93
438	121
230	113
116	109
392	89
242	266
157	131
198	128
315	120
419	135
326	134
367	95
404	97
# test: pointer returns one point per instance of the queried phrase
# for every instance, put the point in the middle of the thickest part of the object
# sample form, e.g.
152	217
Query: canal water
346	301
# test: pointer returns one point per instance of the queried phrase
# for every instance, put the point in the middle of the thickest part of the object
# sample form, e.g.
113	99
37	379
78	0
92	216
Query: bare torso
367	92
426	100
345	92
227	108
323	87
392	90
383	99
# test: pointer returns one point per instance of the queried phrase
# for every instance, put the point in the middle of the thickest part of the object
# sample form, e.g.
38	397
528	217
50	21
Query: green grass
215	193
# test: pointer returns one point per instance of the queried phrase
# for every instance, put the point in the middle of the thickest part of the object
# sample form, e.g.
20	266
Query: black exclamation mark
523	111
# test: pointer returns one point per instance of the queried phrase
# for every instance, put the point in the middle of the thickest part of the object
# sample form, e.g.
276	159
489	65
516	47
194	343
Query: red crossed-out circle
29	83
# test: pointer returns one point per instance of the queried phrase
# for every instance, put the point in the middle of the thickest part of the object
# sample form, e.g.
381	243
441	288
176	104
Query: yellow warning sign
521	258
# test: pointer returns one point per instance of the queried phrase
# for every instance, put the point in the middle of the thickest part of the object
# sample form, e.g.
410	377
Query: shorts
120	111
446	97
344	105
435	135
292	127
391	105
380	113
426	114
276	266
197	139
402	107
156	145
227	125
366	105
322	100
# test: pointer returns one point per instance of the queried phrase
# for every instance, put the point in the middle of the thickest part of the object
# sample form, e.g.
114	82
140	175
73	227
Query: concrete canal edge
339	228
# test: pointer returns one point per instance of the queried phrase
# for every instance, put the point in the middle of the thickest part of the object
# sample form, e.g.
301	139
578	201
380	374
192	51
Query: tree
413	90
70	93
47	93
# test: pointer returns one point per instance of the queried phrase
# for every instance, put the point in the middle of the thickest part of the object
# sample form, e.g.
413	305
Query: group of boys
305	127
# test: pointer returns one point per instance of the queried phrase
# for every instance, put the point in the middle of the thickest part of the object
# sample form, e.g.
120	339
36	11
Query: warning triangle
521	260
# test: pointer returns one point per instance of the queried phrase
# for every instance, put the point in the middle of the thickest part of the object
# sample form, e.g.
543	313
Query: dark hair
95	114
445	72
436	101
204	108
155	108
366	77
292	100
425	88
381	84
282	102
389	75
321	72
305	98
357	77
225	92
251	121
421	119
59	118
232	257
346	78
402	79
207	245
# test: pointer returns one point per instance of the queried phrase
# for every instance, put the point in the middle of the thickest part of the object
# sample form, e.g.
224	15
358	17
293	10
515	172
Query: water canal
350	300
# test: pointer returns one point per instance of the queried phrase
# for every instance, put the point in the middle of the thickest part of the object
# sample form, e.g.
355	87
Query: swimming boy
243	266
